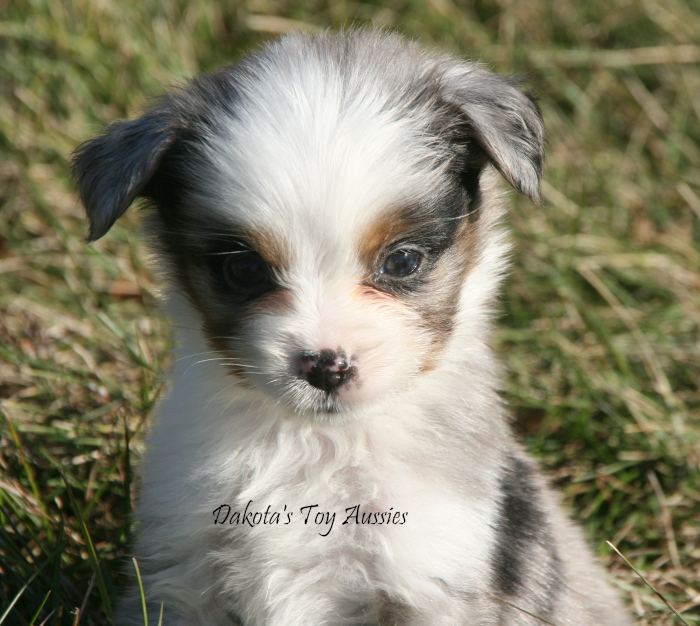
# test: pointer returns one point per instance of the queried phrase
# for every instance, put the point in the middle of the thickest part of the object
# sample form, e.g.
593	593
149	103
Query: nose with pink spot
327	369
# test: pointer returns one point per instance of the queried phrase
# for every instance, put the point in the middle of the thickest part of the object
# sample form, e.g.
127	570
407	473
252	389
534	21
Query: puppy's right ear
112	170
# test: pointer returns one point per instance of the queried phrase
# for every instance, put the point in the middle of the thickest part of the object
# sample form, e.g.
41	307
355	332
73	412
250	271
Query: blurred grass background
601	325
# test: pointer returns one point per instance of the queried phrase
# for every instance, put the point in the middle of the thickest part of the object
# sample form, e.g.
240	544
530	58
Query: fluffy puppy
332	448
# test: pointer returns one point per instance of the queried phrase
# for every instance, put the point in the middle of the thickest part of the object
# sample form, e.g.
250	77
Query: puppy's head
326	207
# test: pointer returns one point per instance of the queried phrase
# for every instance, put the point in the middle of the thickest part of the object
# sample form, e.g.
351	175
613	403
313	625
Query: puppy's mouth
326	403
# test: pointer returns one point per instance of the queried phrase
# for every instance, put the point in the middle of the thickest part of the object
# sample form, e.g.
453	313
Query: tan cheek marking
467	241
216	341
365	293
445	289
279	301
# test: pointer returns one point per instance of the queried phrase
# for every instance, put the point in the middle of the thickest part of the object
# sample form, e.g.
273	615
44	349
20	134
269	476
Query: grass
601	324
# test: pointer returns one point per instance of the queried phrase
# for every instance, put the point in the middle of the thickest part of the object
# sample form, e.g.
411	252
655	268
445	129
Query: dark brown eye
246	271
401	263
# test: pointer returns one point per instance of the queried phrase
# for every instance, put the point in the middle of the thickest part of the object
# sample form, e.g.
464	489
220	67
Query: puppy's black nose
326	370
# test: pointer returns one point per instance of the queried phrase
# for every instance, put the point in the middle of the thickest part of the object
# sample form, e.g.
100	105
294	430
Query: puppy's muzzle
326	370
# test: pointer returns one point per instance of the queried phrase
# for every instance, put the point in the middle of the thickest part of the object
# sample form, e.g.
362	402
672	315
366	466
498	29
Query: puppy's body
326	213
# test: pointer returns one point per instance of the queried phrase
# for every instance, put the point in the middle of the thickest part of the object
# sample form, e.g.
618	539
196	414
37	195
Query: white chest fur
280	508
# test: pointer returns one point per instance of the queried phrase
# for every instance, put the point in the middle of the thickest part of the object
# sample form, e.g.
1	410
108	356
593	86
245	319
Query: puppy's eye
246	271
401	263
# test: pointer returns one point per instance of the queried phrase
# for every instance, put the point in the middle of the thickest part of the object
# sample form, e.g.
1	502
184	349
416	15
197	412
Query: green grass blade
30	475
24	587
106	604
141	593
648	584
41	606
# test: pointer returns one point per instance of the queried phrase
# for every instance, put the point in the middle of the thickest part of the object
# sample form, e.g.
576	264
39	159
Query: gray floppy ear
112	170
506	123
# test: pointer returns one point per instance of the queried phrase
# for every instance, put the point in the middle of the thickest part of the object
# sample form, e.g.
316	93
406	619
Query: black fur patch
521	524
525	562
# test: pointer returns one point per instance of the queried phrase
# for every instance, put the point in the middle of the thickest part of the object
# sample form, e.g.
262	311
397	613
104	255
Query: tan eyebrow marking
381	232
273	250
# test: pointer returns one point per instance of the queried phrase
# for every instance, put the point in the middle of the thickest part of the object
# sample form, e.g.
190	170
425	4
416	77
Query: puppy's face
319	205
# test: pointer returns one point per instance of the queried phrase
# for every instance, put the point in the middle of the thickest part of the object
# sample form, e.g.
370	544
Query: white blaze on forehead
311	153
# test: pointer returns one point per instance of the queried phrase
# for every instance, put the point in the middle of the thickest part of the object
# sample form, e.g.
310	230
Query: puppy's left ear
114	169
505	122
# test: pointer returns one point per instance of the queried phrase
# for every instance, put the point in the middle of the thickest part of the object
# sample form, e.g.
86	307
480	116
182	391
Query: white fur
239	449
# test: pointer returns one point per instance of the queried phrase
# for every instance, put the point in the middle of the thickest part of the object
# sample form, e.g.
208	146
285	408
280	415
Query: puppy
332	448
